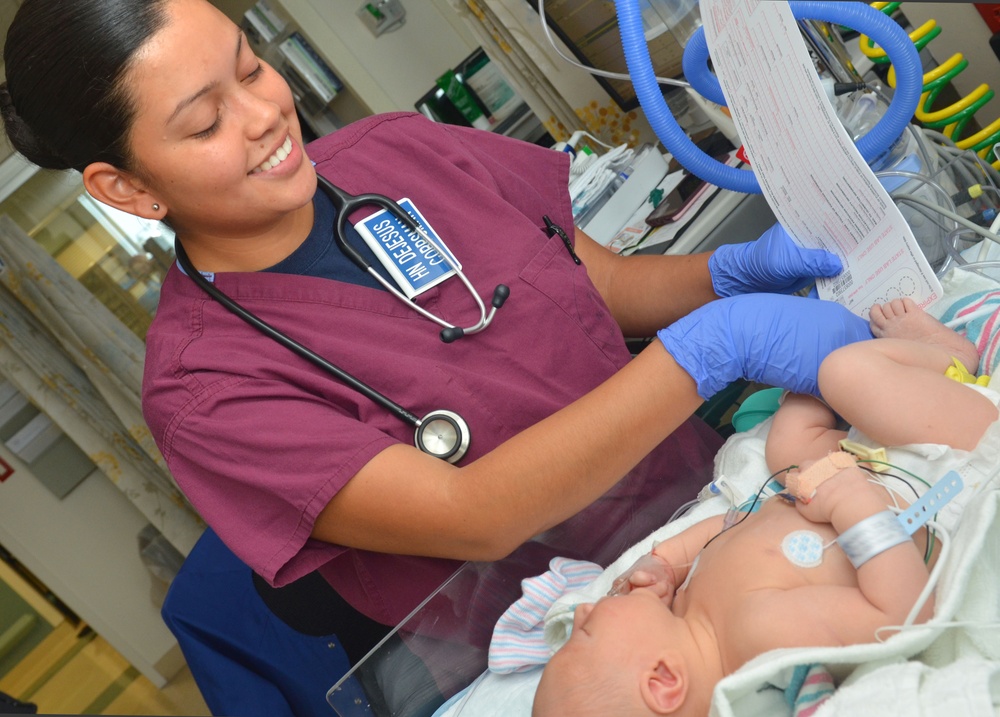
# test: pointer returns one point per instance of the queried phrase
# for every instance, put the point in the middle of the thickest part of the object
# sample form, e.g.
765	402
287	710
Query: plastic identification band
936	497
871	536
877	533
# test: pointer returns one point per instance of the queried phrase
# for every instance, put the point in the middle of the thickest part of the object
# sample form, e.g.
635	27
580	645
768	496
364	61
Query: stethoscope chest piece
442	434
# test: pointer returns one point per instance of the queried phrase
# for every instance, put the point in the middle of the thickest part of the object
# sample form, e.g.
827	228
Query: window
120	258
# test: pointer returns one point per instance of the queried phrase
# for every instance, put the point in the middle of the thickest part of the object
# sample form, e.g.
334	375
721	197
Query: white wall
233	8
85	549
393	71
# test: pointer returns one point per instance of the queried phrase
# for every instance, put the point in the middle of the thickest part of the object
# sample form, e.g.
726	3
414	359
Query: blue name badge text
413	262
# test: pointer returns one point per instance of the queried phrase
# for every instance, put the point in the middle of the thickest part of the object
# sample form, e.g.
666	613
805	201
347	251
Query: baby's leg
894	389
803	428
903	319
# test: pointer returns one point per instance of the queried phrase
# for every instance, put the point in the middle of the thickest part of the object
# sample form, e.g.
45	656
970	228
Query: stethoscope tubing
440	433
288	342
345	204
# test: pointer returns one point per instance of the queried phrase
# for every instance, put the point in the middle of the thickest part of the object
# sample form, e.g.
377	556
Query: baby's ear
664	687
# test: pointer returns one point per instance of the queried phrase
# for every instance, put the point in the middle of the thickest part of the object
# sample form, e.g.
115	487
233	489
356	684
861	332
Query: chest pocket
553	274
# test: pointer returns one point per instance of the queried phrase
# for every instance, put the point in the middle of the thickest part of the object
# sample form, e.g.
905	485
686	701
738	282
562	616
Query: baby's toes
909	306
877	318
895	308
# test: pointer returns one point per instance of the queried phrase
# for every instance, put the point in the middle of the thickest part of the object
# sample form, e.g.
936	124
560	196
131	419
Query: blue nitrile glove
768	338
774	262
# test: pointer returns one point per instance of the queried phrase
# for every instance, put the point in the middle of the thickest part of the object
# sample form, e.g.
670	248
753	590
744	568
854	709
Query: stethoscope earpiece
454	333
500	295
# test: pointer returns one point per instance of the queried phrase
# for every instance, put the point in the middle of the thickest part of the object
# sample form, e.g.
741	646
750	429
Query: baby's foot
903	319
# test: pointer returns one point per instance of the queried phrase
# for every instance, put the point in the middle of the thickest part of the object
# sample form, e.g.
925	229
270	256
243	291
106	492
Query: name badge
413	262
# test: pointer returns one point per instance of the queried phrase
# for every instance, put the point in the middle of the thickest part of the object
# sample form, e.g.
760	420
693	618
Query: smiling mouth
279	156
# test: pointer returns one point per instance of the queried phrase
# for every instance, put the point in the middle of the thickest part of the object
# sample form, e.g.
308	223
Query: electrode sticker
803	548
414	263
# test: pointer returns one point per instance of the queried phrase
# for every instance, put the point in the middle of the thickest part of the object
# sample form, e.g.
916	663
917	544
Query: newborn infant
712	599
824	563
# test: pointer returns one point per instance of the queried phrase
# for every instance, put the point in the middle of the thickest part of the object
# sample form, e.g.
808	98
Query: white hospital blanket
876	673
935	669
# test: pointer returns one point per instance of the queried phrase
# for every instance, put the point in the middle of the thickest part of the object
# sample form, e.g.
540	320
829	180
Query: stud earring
156	207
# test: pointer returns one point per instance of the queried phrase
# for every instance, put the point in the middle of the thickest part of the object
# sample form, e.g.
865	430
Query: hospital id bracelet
877	533
871	536
936	497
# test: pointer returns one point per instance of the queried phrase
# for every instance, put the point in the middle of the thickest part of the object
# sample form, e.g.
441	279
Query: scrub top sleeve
261	489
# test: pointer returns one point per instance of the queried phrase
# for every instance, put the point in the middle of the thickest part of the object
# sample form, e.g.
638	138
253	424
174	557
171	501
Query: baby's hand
844	485
650	571
807	478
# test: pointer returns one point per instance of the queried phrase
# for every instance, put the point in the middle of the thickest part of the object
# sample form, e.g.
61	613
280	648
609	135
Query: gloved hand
773	263
769	338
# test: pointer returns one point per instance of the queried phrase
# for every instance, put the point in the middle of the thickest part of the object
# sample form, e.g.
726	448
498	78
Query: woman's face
215	134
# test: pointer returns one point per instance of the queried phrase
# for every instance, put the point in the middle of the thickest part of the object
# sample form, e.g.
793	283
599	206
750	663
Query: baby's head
627	655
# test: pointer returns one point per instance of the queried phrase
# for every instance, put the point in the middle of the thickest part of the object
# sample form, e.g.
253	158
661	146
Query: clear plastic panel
442	646
415	668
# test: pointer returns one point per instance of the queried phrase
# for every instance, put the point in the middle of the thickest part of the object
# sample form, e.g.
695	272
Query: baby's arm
888	582
803	428
680	550
668	564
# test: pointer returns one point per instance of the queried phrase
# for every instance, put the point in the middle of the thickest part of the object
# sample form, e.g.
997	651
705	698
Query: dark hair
64	104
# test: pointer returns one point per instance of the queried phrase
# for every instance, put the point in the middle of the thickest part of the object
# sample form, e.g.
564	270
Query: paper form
811	174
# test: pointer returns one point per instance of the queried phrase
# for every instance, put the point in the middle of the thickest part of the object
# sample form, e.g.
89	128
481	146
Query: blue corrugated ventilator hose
857	16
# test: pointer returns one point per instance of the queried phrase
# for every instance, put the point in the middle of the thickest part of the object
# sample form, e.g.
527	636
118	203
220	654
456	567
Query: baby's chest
777	548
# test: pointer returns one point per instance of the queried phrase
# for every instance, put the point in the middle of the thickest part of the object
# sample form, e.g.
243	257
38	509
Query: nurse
168	114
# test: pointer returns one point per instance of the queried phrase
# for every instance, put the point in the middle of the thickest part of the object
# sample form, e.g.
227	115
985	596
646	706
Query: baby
711	598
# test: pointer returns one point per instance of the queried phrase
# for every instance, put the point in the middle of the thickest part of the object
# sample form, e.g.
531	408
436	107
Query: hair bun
23	139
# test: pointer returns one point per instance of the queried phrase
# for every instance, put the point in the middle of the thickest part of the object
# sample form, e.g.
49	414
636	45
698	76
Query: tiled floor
75	672
67	668
180	696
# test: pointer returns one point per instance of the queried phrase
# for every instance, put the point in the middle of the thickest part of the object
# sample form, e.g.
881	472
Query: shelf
323	102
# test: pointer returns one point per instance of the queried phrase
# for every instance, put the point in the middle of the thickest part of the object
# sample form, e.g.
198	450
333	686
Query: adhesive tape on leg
803	485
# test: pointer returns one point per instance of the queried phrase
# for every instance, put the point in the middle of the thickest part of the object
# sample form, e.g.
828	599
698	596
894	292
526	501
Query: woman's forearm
406	502
646	293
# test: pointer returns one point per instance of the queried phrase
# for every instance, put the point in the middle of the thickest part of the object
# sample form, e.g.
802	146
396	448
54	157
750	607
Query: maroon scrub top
260	440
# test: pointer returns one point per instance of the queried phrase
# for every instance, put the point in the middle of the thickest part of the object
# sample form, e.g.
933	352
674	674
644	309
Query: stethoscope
345	204
440	433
